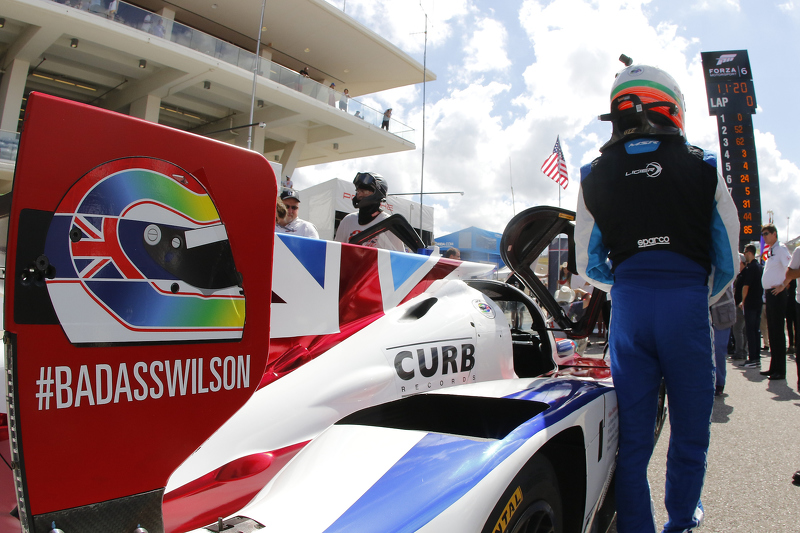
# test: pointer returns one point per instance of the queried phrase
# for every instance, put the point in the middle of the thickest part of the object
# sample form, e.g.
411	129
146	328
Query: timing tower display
732	99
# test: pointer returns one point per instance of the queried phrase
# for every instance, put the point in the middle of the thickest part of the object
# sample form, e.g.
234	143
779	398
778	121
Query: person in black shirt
740	339
751	305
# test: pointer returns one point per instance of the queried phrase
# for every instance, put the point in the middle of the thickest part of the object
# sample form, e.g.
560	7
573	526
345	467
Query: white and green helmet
645	100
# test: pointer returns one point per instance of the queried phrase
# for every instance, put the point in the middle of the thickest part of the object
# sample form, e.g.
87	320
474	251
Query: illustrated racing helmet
645	101
370	180
138	245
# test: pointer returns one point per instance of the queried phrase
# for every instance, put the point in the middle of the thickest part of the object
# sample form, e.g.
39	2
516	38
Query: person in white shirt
371	189
773	281
793	272
290	223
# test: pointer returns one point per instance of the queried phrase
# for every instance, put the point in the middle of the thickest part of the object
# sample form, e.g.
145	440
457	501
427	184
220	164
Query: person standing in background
752	295
387	116
774	283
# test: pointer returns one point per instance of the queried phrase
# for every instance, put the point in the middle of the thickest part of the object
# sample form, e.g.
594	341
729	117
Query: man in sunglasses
772	279
290	223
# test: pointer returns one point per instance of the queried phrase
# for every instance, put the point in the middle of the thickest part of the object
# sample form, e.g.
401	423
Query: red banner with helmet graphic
136	311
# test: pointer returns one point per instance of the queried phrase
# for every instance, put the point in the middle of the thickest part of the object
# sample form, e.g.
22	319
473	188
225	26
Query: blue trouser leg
686	355
659	333
721	337
637	377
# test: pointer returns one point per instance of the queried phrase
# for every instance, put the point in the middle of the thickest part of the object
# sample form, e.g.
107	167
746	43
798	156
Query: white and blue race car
320	387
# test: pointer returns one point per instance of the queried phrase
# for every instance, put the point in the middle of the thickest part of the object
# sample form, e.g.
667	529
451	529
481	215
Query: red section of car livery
128	299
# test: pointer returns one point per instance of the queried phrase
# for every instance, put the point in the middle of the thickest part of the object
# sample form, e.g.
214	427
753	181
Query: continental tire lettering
103	384
508	511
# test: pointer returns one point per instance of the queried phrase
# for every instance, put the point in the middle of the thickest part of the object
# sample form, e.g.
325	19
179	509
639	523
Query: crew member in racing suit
371	189
657	227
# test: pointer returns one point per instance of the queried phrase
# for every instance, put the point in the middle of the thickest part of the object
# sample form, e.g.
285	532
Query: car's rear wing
137	308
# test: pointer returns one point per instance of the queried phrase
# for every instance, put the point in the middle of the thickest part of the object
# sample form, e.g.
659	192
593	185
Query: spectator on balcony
359	115
332	94
147	23
159	30
344	100
112	9
387	115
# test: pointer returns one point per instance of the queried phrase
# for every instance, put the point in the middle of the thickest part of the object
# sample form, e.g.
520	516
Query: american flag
555	167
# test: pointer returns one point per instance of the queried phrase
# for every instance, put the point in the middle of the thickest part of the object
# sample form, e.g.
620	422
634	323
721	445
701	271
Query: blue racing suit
657	228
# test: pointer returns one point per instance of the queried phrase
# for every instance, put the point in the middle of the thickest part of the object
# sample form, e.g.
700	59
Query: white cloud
779	180
716	5
486	49
494	112
403	22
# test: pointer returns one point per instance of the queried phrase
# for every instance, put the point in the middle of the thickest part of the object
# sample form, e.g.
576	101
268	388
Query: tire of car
538	518
531	503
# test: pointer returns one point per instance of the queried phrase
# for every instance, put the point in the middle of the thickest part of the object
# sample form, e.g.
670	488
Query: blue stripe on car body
441	468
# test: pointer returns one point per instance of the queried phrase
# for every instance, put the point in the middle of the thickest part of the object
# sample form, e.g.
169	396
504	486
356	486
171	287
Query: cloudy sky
513	75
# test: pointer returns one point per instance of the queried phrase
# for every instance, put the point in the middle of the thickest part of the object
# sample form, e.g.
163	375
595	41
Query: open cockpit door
526	236
136	306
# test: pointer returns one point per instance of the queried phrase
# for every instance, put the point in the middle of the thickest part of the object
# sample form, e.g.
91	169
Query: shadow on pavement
722	412
782	391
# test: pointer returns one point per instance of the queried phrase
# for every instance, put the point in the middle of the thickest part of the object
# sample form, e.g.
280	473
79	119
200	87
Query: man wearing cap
290	223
